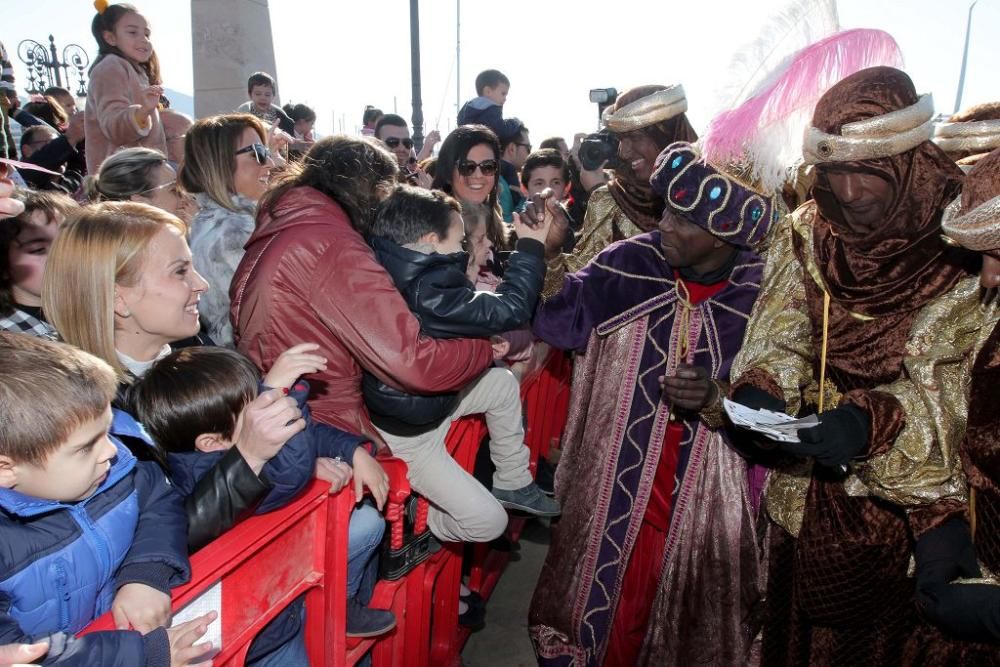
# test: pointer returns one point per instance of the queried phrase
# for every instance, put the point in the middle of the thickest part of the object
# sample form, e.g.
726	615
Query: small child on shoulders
86	527
492	87
197	404
417	236
260	89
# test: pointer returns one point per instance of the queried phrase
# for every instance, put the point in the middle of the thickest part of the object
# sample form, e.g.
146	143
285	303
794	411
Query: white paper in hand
210	600
777	426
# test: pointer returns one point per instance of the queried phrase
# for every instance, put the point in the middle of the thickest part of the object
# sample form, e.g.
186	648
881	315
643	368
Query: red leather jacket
309	277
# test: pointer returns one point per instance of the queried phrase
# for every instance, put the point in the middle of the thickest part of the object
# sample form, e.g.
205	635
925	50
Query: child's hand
334	471
13	655
501	347
368	472
183	650
265	426
149	99
278	139
141	606
540	212
9	207
293	363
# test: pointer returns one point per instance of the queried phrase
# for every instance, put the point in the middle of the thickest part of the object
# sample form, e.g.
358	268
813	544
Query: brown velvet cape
839	592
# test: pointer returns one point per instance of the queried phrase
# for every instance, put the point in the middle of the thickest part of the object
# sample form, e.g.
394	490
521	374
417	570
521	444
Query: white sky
339	55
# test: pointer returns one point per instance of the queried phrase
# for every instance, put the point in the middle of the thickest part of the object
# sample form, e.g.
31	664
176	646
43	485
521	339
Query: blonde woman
120	285
227	166
142	175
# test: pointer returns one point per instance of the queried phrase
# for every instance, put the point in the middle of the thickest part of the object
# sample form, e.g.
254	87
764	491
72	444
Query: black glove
967	611
946	553
757	399
840	436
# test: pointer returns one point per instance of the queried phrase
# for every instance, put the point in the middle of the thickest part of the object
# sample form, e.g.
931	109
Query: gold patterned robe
603	224
838	590
923	466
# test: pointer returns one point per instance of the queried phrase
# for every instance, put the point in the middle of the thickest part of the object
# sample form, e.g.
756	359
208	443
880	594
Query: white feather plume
792	28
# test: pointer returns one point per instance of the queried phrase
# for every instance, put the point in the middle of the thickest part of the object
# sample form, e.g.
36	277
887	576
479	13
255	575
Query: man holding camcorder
637	126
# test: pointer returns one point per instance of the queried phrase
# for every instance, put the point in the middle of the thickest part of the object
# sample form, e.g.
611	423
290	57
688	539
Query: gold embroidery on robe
923	464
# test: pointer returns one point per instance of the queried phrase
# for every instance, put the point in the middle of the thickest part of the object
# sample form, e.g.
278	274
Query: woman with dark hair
47	109
468	168
309	275
369	120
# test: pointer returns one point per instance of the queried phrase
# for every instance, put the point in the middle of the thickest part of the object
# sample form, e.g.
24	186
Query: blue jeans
364	533
290	654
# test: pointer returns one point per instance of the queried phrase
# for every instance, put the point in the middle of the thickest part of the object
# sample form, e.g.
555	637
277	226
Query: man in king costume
867	317
655	560
645	119
958	588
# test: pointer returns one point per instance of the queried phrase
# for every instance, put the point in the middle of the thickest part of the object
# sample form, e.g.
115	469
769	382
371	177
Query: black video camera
598	147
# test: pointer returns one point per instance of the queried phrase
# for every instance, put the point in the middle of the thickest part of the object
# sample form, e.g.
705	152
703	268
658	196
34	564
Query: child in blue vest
195	403
86	528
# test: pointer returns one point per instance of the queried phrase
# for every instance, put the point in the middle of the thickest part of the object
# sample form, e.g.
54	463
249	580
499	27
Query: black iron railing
45	69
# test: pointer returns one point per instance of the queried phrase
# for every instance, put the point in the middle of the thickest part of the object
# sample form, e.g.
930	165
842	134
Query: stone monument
230	40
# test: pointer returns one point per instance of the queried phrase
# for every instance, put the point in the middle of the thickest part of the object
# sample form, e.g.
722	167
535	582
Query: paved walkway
504	641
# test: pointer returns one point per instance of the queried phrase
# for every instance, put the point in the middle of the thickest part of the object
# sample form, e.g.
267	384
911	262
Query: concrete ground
504	641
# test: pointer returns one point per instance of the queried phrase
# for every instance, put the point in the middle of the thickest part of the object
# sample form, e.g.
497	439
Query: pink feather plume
793	89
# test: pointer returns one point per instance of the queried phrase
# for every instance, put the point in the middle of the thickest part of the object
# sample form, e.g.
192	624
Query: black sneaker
364	621
474	617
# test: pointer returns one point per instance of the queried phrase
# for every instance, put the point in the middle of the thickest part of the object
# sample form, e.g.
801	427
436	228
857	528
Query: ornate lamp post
45	69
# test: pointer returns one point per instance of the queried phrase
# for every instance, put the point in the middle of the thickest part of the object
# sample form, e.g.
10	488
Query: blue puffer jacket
61	564
287	473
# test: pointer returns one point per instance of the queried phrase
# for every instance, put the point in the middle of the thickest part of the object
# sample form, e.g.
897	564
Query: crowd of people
199	317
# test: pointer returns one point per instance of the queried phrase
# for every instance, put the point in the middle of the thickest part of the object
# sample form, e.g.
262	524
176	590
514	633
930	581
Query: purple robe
623	308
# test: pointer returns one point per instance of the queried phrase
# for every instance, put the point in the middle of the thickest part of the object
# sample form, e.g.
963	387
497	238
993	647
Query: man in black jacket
417	236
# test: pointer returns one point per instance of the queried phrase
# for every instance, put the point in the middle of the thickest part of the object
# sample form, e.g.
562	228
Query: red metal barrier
256	569
545	396
250	574
443	576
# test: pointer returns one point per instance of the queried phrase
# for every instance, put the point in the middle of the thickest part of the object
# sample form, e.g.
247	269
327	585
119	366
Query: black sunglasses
260	152
392	142
468	167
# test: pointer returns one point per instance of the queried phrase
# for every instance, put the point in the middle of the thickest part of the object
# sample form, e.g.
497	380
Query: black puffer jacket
447	305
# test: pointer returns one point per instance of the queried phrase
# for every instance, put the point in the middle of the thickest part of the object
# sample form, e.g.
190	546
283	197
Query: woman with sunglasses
143	175
227	166
467	168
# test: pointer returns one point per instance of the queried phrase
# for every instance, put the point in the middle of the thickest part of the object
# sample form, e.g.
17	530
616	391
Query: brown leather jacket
309	277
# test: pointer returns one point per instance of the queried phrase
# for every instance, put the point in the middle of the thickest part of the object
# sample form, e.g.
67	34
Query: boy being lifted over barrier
417	236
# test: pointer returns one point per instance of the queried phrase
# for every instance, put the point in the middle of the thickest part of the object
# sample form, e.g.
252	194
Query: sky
337	56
